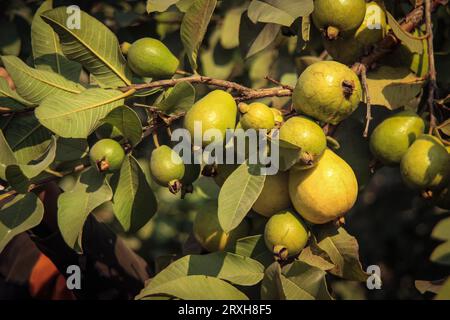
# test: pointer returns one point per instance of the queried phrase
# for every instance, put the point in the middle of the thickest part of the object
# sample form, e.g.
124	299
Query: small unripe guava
335	17
274	196
107	155
327	91
426	164
285	234
391	138
256	116
167	168
210	235
148	57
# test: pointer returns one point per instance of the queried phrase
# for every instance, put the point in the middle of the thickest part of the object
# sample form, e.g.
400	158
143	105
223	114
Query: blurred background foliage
392	223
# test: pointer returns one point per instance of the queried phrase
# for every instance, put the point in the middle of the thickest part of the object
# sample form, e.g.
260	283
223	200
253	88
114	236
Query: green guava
167	168
335	17
327	91
209	234
391	138
285	234
107	155
256	116
148	57
274	196
217	110
426	164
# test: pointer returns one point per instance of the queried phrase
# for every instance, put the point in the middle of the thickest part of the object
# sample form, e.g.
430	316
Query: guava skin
325	192
338	16
426	164
285	234
327	91
274	196
166	167
107	155
148	57
210	235
391	138
278	116
256	116
350	47
307	135
217	110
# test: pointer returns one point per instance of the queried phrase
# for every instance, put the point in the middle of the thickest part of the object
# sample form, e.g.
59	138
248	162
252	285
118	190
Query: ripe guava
426	164
391	138
335	17
210	235
327	91
167	168
217	110
325	192
107	155
274	196
148	57
350	47
285	234
305	134
256	116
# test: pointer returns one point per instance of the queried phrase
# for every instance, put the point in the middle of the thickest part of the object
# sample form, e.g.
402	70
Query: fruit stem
332	33
243	107
155	139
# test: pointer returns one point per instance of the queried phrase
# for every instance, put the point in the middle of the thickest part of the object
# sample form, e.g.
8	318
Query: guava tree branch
432	84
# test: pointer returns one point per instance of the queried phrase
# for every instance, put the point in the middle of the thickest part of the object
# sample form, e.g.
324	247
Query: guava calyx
280	253
348	87
332	33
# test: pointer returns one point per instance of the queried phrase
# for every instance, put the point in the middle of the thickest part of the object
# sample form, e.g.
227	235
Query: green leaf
25	211
282	12
127	122
93	45
238	194
184	5
343	251
36	85
234	268
134	203
254	38
19	175
442	230
303	281
217	62
316	257
47	52
393	87
6	155
180	98
78	116
10	41
74	206
414	45
441	254
271	286
159	5
71	149
254	247
193	27
10	99
229	33
196	288
444	293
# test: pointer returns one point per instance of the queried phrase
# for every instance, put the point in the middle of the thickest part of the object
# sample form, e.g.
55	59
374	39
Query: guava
350	47
391	138
306	135
278	116
325	192
274	196
256	116
107	155
426	164
327	91
335	17
285	234
210	235
167	168
148	57
217	110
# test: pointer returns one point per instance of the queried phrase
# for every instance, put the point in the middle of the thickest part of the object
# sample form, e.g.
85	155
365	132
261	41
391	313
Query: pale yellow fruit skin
258	116
274	196
278	116
216	110
326	192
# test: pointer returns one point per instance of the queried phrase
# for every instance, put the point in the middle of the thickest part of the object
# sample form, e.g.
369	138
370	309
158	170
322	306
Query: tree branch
432	84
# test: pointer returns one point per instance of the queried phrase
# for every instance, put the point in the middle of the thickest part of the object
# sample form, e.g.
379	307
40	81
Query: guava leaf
441	254
90	43
444	293
238	194
159	5
74	206
25	211
71	149
282	12
134	203
442	230
272	286
6	155
47	52
10	99
254	247
10	42
127	122
316	257
413	44
180	98
428	286
229	33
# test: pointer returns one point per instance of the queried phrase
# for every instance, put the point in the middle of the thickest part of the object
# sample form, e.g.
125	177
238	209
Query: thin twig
363	73
432	85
